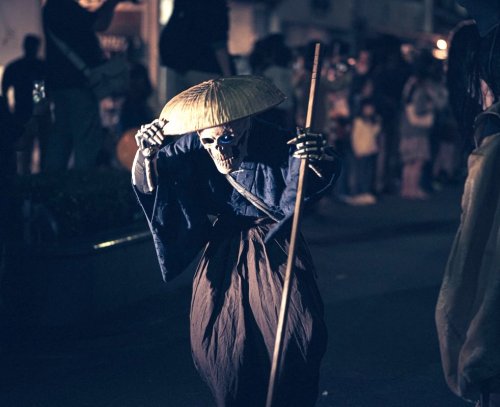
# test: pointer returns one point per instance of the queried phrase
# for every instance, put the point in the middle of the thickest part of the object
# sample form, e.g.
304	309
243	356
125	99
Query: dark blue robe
237	287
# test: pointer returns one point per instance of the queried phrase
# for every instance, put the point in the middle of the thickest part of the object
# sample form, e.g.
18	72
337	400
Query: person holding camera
71	27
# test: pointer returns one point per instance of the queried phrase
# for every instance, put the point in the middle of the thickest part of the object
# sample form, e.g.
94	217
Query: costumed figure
229	164
468	308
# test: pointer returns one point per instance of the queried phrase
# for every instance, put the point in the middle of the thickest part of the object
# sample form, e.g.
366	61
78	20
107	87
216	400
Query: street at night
167	165
379	267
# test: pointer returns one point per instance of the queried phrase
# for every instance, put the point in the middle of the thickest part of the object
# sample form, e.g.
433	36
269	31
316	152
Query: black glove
310	146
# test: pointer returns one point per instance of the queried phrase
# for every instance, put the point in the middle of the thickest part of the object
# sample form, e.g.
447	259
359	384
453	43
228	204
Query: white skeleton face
226	144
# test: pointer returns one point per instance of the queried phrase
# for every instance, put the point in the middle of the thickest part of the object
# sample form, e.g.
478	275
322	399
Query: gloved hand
150	138
313	147
310	146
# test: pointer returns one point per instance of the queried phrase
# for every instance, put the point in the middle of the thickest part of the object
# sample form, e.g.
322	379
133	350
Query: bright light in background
166	8
440	53
441	44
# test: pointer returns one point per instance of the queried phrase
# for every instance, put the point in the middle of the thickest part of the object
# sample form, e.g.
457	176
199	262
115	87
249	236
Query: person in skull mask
244	171
467	312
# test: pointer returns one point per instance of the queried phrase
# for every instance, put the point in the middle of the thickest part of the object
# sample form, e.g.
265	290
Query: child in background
364	142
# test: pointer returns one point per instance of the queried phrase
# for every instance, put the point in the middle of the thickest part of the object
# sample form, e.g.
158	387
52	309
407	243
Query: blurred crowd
386	113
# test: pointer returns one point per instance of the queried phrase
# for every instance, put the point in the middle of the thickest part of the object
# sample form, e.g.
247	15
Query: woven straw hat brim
219	101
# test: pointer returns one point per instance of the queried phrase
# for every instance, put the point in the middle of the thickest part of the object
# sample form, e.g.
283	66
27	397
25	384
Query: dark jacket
467	318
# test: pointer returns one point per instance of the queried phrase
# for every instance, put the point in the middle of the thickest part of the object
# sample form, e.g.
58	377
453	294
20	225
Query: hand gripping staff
285	297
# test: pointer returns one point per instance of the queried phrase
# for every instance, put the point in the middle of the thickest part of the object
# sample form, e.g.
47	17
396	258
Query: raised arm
177	220
149	139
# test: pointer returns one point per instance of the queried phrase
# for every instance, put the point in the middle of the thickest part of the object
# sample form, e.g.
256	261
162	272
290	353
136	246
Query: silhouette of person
20	75
194	42
77	127
272	59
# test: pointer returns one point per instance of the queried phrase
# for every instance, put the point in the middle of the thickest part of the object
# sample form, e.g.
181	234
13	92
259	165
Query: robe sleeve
178	223
316	186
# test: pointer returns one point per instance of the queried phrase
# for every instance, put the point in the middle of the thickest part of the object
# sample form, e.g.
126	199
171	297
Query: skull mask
226	144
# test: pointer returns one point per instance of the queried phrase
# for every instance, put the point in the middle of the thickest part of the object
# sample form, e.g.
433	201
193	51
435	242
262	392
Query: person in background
364	141
337	80
20	76
77	128
331	98
230	164
467	310
271	58
362	82
421	99
390	72
194	42
360	88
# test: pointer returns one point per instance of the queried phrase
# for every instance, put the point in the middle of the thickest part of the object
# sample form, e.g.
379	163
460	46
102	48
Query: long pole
285	296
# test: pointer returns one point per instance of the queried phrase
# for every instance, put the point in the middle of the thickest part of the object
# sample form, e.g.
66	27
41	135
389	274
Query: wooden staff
285	296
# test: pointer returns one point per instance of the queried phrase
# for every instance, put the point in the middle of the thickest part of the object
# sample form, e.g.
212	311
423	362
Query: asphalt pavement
379	266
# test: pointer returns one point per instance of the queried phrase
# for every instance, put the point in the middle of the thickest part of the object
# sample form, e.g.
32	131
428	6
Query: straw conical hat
219	101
